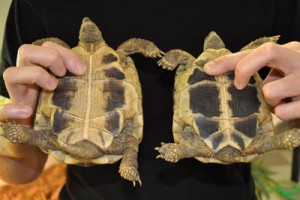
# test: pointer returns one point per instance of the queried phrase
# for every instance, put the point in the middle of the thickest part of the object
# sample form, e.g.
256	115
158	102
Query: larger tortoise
213	121
96	118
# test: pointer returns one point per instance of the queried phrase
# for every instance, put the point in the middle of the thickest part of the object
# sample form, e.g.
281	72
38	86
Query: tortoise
96	118
213	121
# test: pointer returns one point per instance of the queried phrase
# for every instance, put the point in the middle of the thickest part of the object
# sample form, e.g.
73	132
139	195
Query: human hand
281	87
36	68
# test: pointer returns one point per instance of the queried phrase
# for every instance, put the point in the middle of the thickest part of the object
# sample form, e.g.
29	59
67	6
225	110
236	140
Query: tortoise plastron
213	121
96	118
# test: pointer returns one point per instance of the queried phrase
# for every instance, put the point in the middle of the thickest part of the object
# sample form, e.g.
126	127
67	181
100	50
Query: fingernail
208	67
80	67
238	85
20	112
23	113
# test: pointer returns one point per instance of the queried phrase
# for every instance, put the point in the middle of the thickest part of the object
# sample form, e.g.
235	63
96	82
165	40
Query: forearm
20	163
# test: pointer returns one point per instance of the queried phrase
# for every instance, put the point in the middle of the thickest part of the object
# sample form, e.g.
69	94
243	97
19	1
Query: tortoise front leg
137	45
129	165
176	57
58	41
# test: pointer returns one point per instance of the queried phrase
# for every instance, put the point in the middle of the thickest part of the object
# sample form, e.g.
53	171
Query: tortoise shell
96	107
95	118
225	118
213	121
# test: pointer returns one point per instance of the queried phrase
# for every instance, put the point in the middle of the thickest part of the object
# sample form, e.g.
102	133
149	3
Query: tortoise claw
131	174
157	53
165	64
139	181
168	152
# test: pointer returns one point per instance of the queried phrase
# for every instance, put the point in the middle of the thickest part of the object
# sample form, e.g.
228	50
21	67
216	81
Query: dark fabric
170	24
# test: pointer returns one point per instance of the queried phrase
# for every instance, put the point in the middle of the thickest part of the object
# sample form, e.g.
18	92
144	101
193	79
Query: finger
15	112
273	76
293	45
41	56
281	89
288	111
224	63
22	81
29	75
269	54
55	57
72	62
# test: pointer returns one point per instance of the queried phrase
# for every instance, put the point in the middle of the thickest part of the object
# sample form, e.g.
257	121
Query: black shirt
169	24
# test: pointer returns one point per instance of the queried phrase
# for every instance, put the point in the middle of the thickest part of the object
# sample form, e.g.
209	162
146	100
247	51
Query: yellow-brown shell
222	116
96	106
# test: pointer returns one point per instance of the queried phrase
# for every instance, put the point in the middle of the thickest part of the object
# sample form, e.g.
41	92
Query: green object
265	185
287	189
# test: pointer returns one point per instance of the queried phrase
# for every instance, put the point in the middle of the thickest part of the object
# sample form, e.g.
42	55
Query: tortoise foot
169	152
154	52
291	139
14	133
131	174
165	64
175	57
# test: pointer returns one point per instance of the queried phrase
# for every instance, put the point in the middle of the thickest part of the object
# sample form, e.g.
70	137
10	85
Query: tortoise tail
82	149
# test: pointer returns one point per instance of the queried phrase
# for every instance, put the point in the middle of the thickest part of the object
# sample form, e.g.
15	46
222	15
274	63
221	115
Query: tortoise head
213	41
89	32
214	47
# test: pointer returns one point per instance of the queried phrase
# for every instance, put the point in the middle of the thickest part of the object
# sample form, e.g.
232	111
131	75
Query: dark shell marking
115	95
247	126
63	94
208	106
61	121
243	103
109	58
206	127
112	123
113	72
231	76
217	139
199	76
238	140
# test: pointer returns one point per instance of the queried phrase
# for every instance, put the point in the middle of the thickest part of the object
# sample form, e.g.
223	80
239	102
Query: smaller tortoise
96	118
213	121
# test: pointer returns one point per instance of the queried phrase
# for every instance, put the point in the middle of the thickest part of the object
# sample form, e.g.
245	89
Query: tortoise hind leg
287	140
46	139
129	165
19	134
190	146
173	152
